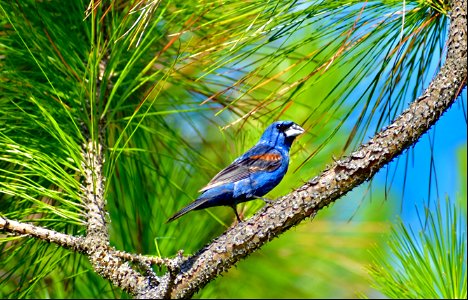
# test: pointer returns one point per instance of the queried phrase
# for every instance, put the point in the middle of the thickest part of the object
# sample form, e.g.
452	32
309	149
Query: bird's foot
237	215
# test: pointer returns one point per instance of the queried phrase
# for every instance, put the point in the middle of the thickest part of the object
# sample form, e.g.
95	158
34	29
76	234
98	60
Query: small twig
153	260
51	236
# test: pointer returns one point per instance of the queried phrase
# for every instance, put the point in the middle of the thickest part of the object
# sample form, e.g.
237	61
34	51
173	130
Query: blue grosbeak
253	174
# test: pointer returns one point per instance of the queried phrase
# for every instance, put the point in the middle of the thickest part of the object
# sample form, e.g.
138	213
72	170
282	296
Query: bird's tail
186	209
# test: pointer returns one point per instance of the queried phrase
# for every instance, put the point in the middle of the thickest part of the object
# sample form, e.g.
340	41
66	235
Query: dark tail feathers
186	209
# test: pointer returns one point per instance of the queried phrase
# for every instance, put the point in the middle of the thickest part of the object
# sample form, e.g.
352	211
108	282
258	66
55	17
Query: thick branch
339	178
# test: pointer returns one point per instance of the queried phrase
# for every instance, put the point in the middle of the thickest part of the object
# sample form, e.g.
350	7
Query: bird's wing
260	158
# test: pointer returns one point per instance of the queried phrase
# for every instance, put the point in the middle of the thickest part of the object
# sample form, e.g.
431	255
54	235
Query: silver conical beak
294	130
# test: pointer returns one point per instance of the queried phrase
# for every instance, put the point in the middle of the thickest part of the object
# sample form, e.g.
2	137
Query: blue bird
251	175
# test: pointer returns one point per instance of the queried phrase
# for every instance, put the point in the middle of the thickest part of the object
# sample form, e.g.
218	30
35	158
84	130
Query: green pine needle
427	265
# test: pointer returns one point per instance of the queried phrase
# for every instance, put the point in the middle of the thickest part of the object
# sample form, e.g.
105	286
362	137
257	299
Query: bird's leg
237	215
268	201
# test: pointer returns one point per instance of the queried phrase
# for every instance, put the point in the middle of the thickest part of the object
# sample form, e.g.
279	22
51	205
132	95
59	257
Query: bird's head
281	132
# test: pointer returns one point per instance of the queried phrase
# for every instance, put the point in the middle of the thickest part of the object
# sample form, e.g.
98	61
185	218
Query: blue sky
448	136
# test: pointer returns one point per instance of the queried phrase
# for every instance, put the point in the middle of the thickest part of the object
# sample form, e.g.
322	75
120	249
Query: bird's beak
294	130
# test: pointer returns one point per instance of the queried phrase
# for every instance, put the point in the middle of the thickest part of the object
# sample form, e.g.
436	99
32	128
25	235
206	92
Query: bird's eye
282	126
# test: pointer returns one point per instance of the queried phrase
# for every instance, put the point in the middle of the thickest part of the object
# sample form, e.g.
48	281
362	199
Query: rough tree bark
185	276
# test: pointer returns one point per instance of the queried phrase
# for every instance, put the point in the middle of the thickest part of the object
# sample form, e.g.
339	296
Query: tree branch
51	236
104	262
76	243
93	193
339	178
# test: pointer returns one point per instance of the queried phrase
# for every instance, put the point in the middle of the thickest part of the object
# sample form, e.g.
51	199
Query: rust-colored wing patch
244	168
267	157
